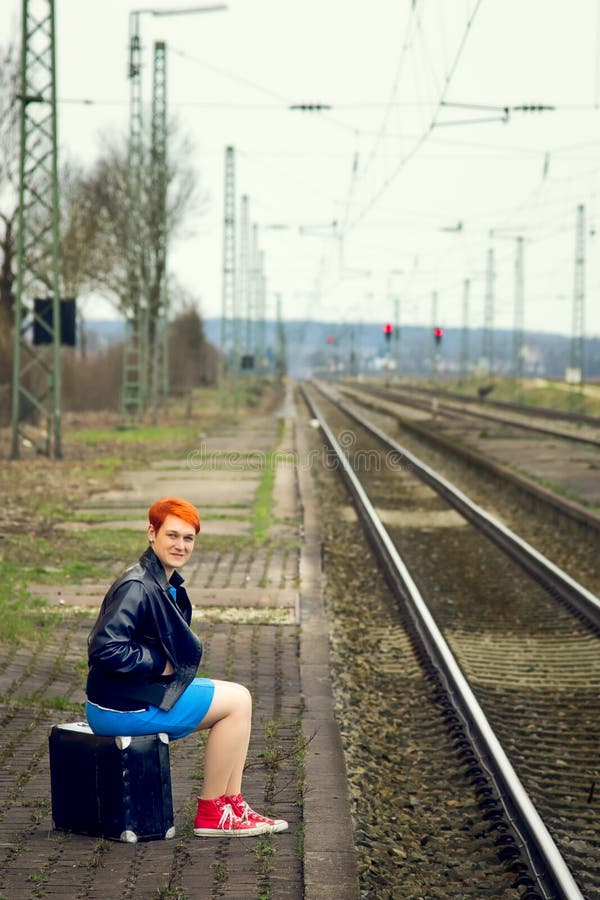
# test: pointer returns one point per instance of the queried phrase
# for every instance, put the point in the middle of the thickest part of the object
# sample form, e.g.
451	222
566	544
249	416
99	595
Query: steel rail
547	864
531	560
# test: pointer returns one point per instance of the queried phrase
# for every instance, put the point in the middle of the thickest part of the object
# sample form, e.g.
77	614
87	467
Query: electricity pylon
519	315
488	313
244	283
576	360
464	335
133	392
229	358
159	299
261	312
36	392
280	354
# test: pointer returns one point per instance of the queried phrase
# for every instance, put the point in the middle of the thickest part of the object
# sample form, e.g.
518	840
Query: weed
263	851
171	892
263	503
97	860
220	873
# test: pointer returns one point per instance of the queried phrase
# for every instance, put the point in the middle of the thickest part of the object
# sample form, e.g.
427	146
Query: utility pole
577	333
488	313
435	356
517	360
159	302
37	366
464	336
244	282
229	323
280	360
253	292
261	303
396	301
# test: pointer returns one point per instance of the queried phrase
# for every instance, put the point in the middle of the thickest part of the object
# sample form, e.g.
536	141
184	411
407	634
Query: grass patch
533	392
21	617
141	434
263	503
71	557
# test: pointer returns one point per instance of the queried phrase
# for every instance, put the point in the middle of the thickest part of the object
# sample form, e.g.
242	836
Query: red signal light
331	340
387	330
438	334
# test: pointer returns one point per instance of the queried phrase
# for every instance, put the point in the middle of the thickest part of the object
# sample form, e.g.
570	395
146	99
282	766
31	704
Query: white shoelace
227	817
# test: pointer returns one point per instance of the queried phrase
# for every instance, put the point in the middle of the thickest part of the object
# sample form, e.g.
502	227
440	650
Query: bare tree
95	210
9	162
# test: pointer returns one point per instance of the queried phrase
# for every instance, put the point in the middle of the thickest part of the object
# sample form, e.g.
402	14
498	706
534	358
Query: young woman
143	659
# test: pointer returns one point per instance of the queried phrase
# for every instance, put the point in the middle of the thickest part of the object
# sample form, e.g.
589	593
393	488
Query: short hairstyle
173	506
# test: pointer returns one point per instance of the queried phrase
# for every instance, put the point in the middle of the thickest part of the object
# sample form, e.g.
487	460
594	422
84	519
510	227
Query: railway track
513	664
556	467
516	410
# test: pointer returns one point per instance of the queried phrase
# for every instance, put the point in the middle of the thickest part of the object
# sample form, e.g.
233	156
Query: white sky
383	66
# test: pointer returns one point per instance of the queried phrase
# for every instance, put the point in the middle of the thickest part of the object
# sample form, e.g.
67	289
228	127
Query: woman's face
173	542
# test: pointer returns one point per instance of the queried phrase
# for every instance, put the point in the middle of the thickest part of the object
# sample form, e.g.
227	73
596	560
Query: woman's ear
151	533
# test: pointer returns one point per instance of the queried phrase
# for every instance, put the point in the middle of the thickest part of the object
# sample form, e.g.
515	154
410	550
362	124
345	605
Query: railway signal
438	334
387	331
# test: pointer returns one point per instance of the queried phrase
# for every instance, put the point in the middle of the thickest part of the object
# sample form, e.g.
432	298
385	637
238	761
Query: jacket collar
150	561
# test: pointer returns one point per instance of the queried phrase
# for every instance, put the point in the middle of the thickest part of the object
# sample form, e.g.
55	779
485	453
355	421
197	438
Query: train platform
255	584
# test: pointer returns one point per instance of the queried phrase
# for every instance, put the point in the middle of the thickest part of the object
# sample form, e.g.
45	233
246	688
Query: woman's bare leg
229	719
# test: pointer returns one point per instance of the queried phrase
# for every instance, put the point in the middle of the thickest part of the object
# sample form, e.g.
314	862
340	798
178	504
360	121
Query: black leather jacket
138	628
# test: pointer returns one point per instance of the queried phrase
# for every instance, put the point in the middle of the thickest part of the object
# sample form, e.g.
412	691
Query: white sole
231	832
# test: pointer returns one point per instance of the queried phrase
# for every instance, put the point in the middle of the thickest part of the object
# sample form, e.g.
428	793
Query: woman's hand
168	669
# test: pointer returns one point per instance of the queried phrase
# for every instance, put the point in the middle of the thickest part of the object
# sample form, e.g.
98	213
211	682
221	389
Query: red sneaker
247	814
216	818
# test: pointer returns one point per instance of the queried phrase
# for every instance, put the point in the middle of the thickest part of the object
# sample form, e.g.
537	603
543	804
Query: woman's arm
119	641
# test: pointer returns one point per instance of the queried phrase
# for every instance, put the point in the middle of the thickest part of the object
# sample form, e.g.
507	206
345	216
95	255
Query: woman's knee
230	697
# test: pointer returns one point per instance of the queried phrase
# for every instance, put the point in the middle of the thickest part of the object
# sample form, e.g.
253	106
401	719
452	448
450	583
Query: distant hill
356	347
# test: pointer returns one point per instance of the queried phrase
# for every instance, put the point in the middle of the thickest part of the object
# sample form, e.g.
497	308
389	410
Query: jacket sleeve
118	642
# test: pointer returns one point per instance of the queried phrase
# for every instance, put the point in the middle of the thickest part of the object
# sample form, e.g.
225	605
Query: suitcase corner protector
128	836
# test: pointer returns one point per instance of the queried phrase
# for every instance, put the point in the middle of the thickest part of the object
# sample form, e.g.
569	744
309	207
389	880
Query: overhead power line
388	181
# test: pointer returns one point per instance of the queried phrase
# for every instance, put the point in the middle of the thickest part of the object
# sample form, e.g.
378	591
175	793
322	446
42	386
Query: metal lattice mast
577	333
280	356
261	303
229	324
134	376
159	311
244	276
396	335
434	324
519	316
37	368
464	335
488	313
253	296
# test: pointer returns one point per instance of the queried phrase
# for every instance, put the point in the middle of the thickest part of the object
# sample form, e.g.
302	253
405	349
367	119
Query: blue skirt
184	716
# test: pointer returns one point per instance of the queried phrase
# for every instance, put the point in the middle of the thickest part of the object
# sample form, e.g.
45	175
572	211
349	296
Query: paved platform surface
258	608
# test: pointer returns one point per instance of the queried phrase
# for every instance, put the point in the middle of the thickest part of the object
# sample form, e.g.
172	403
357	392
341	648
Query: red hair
173	506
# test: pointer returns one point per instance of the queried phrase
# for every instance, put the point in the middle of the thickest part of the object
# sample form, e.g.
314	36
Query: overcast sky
384	163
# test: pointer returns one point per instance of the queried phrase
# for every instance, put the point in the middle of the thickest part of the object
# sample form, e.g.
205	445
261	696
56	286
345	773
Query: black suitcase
113	787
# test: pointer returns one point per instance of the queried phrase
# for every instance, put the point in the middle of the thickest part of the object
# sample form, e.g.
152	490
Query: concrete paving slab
213	526
200	493
79	595
259	598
